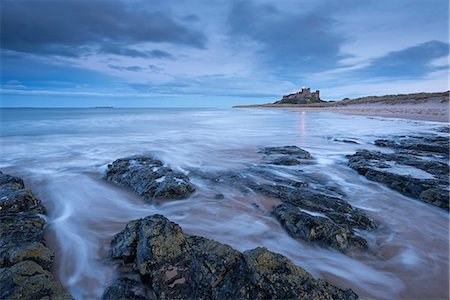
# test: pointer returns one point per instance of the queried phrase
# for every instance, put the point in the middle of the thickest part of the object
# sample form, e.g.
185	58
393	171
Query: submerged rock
397	171
178	266
25	260
149	178
286	155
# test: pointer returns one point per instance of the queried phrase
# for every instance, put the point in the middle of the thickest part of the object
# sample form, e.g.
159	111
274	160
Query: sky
143	53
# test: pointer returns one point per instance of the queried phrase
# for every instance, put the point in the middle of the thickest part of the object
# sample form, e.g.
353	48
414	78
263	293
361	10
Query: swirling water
62	155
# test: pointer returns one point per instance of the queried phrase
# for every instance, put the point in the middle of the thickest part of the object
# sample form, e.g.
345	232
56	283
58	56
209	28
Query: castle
303	97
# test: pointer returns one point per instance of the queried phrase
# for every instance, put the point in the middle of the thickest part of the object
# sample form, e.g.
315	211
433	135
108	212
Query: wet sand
436	111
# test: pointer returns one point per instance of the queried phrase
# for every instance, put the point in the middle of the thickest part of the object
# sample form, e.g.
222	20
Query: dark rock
175	266
344	141
27	280
25	260
15	198
149	178
376	166
286	155
430	144
337	209
126	289
316	228
307	192
444	129
272	276
219	269
22	237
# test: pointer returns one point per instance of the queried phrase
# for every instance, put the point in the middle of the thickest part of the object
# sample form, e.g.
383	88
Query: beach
436	110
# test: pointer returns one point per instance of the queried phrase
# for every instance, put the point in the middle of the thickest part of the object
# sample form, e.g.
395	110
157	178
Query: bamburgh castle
302	97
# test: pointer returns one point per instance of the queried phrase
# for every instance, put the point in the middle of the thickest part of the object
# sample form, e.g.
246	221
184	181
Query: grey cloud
160	54
412	62
154	68
130	68
65	27
290	41
124	51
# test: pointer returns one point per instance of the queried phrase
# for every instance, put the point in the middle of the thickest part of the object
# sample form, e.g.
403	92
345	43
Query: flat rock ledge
286	155
25	260
149	178
314	209
417	168
169	264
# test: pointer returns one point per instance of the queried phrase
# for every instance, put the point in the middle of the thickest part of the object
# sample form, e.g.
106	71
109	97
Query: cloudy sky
217	53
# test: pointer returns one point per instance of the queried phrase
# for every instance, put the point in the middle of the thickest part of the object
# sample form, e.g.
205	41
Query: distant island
423	106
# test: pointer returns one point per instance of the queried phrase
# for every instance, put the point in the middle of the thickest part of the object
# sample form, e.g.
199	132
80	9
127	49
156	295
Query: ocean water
62	155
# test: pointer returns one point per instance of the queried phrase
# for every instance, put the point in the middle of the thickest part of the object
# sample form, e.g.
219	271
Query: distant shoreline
419	106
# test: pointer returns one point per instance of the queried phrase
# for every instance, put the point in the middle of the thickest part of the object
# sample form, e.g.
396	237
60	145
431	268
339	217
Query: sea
62	155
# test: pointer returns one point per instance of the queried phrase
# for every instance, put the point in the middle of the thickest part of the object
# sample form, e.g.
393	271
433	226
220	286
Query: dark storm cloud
291	41
66	27
412	62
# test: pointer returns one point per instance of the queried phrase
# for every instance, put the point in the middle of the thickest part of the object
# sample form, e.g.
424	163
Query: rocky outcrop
25	260
286	155
418	145
173	265
313	209
417	168
149	178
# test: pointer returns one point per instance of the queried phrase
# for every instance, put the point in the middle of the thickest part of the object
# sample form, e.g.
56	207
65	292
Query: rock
316	228
126	289
25	260
178	266
286	155
273	276
22	237
15	198
311	195
429	144
443	129
383	168
27	280
219	269
346	141
149	178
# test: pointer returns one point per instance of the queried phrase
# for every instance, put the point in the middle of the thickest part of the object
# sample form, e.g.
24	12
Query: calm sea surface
62	155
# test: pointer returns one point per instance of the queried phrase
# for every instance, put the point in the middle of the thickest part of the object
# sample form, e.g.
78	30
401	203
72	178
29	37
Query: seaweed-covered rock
22	237
286	155
178	266
28	280
272	276
422	179
149	178
25	260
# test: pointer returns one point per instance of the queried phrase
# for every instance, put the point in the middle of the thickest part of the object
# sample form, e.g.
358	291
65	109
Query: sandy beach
436	111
